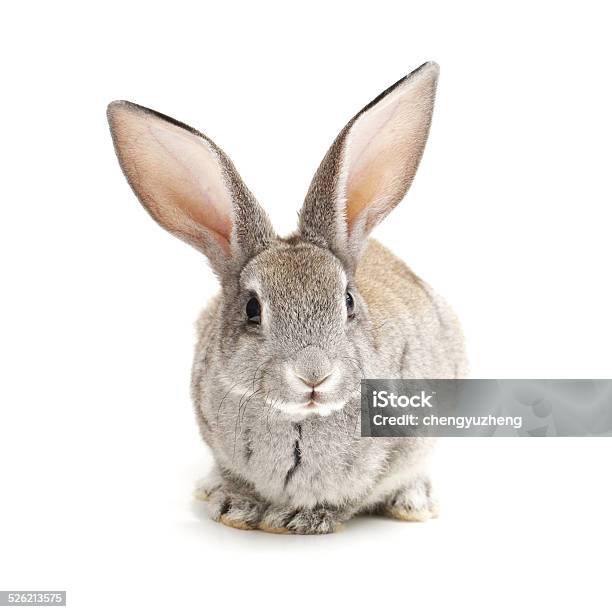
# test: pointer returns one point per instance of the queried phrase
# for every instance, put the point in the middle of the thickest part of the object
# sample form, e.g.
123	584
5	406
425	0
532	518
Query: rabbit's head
291	317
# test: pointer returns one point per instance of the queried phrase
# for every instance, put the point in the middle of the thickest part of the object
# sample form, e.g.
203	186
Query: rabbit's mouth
314	395
310	407
310	384
315	401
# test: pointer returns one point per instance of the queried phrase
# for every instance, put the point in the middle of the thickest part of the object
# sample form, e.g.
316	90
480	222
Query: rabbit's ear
188	185
370	165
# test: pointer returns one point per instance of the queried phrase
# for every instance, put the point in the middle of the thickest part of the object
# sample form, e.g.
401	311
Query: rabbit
299	321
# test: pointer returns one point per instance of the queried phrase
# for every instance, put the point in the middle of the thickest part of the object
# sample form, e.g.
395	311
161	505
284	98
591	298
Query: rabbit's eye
253	311
350	305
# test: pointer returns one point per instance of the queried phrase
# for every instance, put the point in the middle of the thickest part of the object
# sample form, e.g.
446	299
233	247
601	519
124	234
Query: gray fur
283	470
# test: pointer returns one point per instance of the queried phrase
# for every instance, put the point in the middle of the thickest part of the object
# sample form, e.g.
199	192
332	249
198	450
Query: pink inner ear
384	147
370	159
194	181
176	175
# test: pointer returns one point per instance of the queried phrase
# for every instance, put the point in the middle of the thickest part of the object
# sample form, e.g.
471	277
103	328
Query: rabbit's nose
312	366
314	382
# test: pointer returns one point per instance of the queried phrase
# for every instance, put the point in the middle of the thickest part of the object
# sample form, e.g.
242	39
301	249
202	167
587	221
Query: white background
509	218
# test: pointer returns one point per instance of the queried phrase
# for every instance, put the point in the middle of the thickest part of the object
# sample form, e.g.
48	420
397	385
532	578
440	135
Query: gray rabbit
301	320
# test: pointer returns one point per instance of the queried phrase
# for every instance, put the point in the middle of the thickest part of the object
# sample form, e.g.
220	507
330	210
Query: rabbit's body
276	466
300	321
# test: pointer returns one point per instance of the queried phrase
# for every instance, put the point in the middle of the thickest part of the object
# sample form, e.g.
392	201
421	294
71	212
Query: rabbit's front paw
414	502
317	520
233	509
